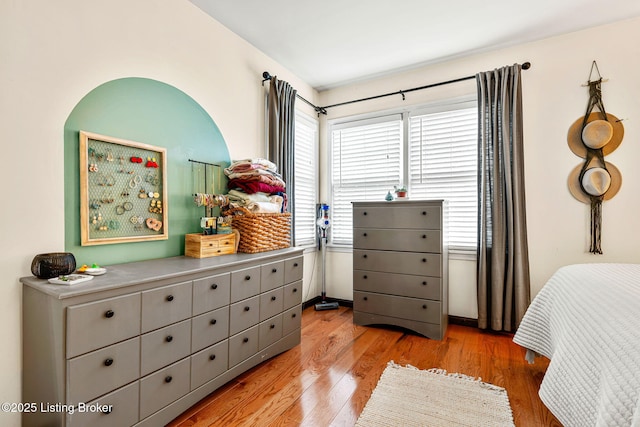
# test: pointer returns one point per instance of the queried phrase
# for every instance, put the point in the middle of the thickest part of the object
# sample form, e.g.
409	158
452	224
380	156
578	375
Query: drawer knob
424	213
424	283
424	306
364	234
109	314
273	298
245	340
168	379
272	326
295	264
247	308
364	256
365	298
424	260
212	357
169	338
424	236
210	244
293	315
170	298
108	362
213	321
214	286
274	270
247	277
295	290
364	213
365	276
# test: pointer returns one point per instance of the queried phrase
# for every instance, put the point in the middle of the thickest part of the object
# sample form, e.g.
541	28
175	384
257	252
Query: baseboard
315	300
454	320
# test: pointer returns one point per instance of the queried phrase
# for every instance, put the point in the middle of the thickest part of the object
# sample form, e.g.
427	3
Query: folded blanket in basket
264	207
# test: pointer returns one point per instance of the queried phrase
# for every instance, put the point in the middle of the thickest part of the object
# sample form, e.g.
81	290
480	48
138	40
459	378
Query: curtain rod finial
526	65
266	75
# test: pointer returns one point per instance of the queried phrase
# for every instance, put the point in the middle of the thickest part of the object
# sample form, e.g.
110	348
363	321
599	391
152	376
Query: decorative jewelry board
123	191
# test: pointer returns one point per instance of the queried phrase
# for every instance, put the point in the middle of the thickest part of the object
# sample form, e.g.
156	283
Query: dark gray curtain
281	114
503	258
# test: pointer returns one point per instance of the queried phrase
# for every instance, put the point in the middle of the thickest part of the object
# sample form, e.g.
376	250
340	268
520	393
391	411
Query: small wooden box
200	246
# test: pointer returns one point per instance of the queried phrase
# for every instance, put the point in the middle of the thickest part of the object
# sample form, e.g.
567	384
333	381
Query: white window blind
306	180
443	165
366	164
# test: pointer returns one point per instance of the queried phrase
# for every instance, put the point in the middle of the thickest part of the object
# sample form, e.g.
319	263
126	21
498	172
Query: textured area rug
407	396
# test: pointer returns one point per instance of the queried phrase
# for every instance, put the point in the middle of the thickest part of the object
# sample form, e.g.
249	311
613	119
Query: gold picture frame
123	191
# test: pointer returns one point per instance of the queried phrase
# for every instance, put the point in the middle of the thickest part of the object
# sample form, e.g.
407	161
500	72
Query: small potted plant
401	191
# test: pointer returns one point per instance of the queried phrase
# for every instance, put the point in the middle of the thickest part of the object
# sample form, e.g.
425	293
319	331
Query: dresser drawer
94	374
209	328
394	306
244	314
97	324
398	216
293	269
420	264
209	363
163	387
119	408
271	303
211	293
243	345
271	276
166	305
398	284
245	283
405	240
292	294
270	332
164	346
291	320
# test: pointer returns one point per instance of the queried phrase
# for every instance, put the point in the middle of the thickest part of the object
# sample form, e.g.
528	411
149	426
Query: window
443	164
366	164
306	180
436	157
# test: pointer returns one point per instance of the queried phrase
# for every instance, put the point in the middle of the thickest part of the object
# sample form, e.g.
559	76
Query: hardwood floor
328	378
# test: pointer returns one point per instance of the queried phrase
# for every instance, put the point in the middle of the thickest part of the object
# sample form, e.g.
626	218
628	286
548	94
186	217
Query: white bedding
586	320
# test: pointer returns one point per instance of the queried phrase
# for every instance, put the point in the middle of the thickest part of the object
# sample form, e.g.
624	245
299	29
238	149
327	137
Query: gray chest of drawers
146	341
400	265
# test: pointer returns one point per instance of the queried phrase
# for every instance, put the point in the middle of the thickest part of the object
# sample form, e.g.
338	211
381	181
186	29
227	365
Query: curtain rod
323	110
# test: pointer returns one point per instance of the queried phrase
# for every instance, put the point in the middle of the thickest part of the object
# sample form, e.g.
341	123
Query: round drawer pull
272	326
247	277
168	379
424	236
213	321
170	298
295	264
212	357
364	256
424	283
295	290
169	338
364	213
245	340
109	314
210	244
293	315
274	270
247	308
365	277
424	260
108	362
424	306
424	213
273	298
214	286
364	234
365	298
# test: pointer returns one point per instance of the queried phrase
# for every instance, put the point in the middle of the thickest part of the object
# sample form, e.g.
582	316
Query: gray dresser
400	265
146	341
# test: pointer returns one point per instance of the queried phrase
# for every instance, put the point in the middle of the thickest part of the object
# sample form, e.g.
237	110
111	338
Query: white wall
54	53
553	99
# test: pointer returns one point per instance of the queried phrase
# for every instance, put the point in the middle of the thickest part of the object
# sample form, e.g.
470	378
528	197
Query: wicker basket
260	232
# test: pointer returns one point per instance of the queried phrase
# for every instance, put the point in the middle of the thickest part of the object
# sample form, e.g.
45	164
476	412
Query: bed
586	320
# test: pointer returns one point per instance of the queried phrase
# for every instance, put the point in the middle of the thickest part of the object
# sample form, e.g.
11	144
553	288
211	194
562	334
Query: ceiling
333	42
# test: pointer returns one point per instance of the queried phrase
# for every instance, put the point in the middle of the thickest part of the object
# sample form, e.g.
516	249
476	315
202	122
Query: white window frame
407	113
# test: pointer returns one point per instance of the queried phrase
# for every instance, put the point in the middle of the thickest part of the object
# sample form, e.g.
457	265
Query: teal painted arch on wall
155	113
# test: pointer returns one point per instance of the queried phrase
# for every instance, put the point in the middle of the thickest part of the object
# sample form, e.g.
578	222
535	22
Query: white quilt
586	320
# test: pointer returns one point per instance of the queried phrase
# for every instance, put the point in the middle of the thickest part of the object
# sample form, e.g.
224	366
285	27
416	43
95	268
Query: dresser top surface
134	273
397	202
